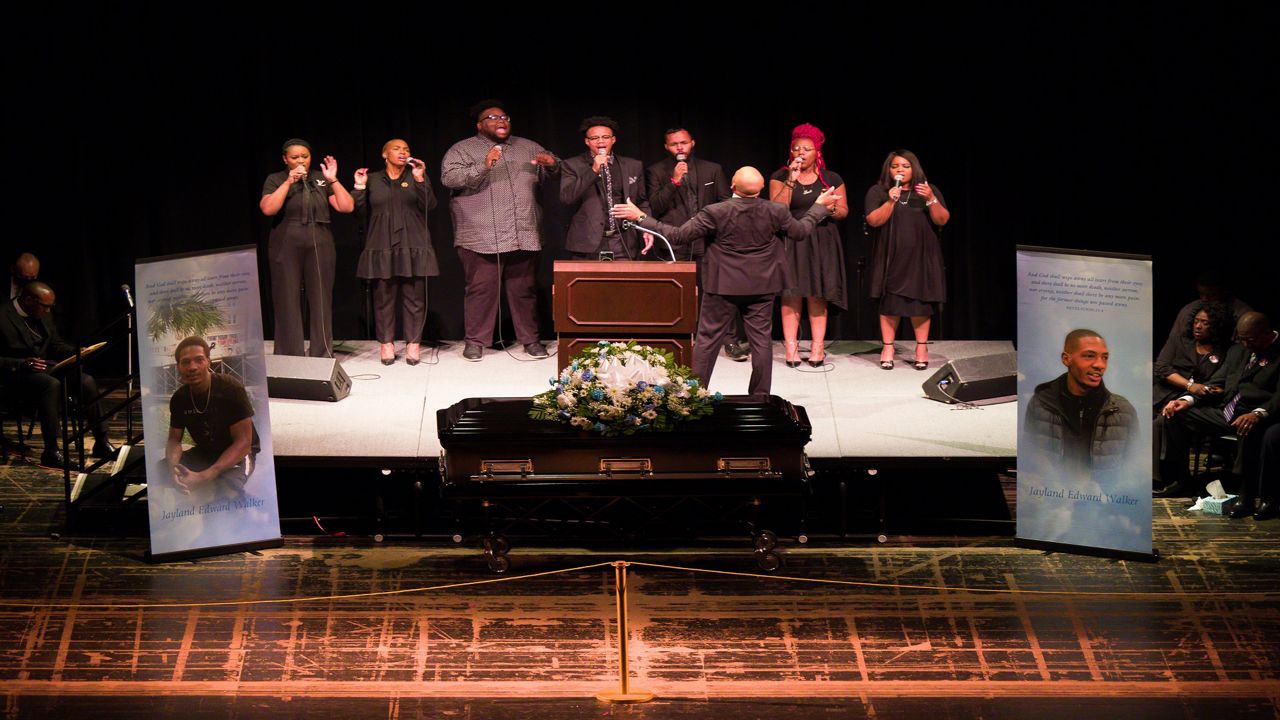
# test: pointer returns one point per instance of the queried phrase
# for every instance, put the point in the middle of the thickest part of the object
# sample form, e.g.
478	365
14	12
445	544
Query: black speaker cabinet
982	380
306	378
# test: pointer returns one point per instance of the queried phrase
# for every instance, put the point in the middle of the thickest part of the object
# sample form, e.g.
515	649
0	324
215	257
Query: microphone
127	294
897	179
681	157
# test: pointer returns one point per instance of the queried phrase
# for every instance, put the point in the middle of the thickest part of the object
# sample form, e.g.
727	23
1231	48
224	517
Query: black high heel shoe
789	345
386	360
820	360
886	364
921	364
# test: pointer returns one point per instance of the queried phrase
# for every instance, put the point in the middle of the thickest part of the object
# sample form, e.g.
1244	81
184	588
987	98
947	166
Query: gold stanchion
624	694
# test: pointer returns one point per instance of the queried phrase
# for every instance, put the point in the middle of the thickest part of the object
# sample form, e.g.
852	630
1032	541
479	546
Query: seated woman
1190	358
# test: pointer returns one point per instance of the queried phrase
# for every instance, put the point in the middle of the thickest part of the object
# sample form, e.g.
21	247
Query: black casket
750	447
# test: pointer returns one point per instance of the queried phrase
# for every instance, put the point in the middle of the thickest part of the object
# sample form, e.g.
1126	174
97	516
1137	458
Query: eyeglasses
594	138
496	117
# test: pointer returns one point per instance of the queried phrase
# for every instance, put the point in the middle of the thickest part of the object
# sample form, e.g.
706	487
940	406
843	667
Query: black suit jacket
704	185
1257	384
17	343
582	191
745	257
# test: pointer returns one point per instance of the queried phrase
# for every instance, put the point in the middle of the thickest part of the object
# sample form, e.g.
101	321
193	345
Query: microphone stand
628	224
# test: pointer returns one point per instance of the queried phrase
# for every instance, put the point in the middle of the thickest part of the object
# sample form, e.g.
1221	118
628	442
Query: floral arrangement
619	388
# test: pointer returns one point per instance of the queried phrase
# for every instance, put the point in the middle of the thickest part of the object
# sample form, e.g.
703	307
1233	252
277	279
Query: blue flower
551	381
631	419
658	390
587	374
564	413
598	427
603	343
691	382
641	385
648	406
718	396
573	365
597	394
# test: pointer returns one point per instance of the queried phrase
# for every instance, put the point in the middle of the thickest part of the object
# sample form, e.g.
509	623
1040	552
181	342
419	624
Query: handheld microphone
681	157
897	179
127	294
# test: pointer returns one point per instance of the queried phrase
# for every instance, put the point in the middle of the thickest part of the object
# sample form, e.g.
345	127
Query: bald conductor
742	269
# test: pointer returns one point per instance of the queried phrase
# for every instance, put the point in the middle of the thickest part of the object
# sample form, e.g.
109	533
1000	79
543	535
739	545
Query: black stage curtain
137	131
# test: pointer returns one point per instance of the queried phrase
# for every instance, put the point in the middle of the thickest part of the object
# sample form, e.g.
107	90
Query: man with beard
678	186
1080	425
494	180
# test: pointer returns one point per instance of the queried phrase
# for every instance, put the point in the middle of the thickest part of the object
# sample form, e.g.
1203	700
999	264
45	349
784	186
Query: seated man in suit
216	411
1248	379
593	182
29	347
742	270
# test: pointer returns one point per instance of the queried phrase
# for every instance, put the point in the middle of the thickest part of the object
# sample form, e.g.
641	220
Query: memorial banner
1084	397
206	419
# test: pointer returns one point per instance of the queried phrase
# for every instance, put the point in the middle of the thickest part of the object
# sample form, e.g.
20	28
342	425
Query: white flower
566	400
649	414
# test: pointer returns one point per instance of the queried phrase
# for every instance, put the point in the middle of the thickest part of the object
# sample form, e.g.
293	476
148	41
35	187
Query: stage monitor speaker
306	378
980	380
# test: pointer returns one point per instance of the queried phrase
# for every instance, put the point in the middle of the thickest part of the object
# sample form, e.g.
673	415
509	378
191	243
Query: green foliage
183	316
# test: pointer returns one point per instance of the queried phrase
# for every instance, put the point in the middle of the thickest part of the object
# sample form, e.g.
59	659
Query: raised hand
329	168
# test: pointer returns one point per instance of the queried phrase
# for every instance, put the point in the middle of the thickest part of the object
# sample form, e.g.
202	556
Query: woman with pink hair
815	265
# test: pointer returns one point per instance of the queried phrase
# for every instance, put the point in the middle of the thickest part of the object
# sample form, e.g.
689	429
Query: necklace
904	202
207	396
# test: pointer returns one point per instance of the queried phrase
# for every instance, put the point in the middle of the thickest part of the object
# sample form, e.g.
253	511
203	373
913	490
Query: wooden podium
653	303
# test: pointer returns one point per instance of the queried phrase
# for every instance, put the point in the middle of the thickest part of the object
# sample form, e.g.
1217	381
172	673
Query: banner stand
1053	547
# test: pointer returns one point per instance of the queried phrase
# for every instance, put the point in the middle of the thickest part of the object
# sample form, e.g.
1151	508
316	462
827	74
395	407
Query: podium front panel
626	298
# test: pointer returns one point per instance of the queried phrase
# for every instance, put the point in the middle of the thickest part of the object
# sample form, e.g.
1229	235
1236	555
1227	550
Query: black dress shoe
535	349
1267	510
1173	490
52	458
103	450
1243	509
735	352
472	352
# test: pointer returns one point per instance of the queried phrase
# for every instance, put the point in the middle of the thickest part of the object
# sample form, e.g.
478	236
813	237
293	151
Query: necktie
608	203
1229	412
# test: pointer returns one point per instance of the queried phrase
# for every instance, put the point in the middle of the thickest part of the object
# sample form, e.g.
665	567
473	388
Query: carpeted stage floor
857	409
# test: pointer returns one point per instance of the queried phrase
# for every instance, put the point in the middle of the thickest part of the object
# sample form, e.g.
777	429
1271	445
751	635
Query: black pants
715	321
302	256
408	297
43	392
519	271
1172	438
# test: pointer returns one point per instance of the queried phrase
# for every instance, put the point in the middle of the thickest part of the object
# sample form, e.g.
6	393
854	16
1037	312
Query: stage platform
858	411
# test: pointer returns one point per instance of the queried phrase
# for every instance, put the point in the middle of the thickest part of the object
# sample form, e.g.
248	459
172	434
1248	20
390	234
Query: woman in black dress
398	256
1190	358
300	249
906	271
815	265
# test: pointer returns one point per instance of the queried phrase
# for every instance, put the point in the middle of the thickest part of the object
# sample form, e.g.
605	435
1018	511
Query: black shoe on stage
1267	510
1173	490
736	352
103	450
52	458
1243	509
472	352
535	349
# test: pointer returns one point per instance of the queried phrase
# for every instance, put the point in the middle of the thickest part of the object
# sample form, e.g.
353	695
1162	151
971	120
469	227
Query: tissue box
1214	506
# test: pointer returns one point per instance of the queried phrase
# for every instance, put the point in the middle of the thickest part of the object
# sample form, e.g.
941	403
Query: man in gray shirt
494	179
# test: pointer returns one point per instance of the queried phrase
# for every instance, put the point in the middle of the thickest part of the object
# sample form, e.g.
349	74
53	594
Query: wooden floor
955	627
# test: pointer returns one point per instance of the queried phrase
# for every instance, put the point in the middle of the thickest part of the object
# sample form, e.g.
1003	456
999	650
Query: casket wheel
766	540
498	563
768	561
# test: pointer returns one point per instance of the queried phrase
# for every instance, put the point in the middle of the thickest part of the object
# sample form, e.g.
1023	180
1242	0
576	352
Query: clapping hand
829	198
362	177
329	168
